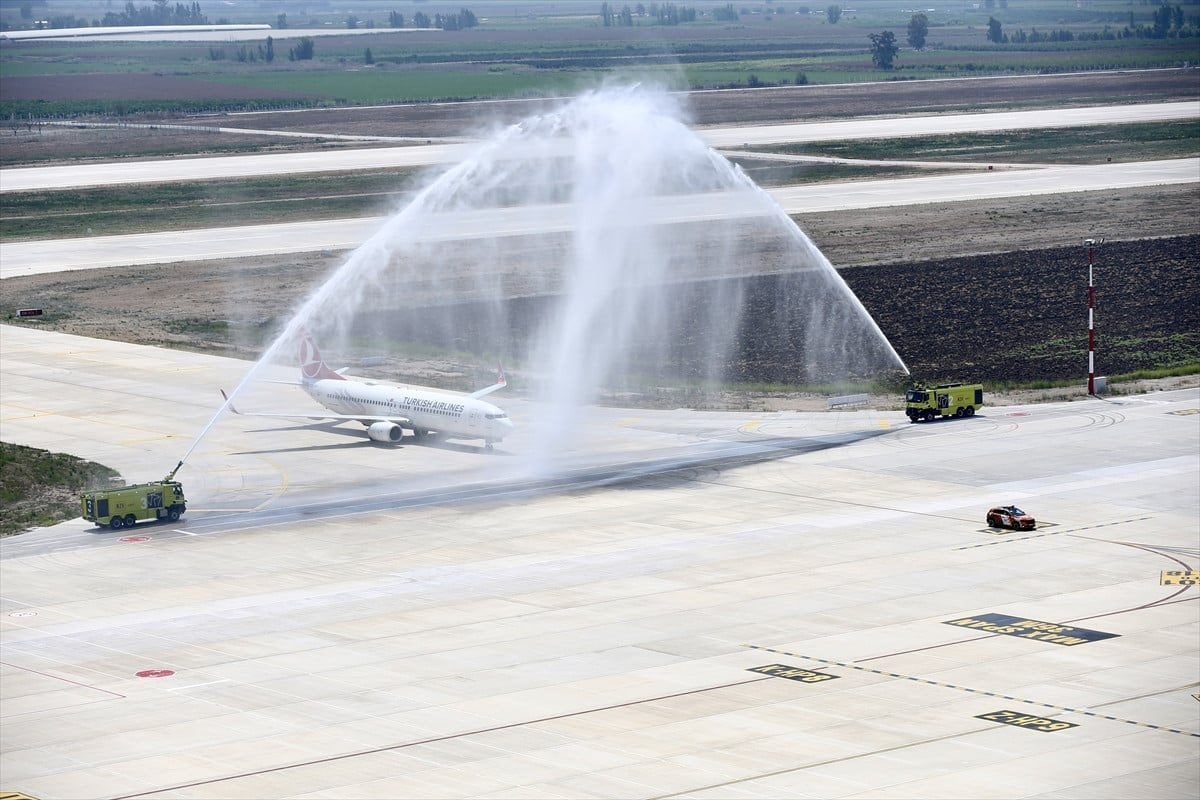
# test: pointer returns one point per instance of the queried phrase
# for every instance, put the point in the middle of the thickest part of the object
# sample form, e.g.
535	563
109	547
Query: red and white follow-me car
1010	517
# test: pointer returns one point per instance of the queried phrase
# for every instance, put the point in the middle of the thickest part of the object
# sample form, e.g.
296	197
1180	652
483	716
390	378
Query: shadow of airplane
317	448
431	441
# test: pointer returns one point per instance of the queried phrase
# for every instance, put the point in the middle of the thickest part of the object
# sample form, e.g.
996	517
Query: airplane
388	410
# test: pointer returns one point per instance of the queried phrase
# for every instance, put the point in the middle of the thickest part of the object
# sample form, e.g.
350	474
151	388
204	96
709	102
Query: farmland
527	50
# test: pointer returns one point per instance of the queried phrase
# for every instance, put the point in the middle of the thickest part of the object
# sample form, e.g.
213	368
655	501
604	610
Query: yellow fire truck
947	400
123	507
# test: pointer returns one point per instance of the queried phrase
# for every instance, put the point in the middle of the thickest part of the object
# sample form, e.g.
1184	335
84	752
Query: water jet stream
624	255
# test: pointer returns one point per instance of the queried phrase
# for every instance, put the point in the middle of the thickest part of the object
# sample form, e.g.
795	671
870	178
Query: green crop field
523	49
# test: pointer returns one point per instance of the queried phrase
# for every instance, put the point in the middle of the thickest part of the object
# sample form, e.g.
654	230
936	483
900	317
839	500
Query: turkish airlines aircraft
388	410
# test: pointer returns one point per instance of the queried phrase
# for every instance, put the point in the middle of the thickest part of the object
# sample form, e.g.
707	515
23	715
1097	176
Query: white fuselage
419	409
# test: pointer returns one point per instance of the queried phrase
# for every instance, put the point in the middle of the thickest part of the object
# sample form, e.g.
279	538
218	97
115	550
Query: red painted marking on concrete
134	539
156	673
1018	413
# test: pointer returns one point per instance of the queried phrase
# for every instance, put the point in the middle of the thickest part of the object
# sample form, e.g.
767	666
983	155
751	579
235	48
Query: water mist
597	248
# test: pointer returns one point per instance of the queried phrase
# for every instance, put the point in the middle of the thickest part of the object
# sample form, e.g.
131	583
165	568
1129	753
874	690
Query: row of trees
161	13
1168	21
303	51
464	19
661	13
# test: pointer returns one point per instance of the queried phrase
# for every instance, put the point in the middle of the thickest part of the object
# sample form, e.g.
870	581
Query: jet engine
384	432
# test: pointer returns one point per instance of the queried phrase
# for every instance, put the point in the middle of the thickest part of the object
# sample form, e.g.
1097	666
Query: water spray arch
597	248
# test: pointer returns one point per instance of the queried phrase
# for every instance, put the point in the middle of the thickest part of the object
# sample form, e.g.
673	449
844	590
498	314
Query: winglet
229	403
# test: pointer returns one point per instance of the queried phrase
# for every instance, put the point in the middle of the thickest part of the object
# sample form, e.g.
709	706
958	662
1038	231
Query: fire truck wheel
130	520
116	523
173	514
970	412
929	416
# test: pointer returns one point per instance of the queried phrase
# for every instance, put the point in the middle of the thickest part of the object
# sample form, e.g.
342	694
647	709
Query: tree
395	19
833	14
994	34
725	13
918	29
884	49
302	51
281	21
269	56
367	57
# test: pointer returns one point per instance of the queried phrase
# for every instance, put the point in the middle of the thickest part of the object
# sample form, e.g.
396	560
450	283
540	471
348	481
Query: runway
25	179
703	605
60	255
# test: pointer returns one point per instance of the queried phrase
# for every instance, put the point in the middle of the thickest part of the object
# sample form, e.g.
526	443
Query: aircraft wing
317	417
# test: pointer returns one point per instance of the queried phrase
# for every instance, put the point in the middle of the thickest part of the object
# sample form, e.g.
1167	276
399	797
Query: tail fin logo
310	359
312	366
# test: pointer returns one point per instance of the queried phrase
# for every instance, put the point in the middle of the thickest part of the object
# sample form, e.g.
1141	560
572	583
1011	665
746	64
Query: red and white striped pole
1091	245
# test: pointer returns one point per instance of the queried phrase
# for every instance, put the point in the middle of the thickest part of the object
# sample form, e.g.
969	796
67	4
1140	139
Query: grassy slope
39	488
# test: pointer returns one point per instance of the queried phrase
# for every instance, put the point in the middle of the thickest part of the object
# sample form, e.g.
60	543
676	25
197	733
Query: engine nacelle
385	432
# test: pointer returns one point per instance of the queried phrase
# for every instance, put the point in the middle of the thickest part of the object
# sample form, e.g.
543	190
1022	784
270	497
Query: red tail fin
312	366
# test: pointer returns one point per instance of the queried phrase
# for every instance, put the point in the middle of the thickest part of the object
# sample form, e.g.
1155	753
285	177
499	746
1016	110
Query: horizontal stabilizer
500	383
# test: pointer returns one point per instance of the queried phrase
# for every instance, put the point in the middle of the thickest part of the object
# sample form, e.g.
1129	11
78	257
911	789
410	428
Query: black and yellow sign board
1031	629
793	673
14	796
1179	577
1029	721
